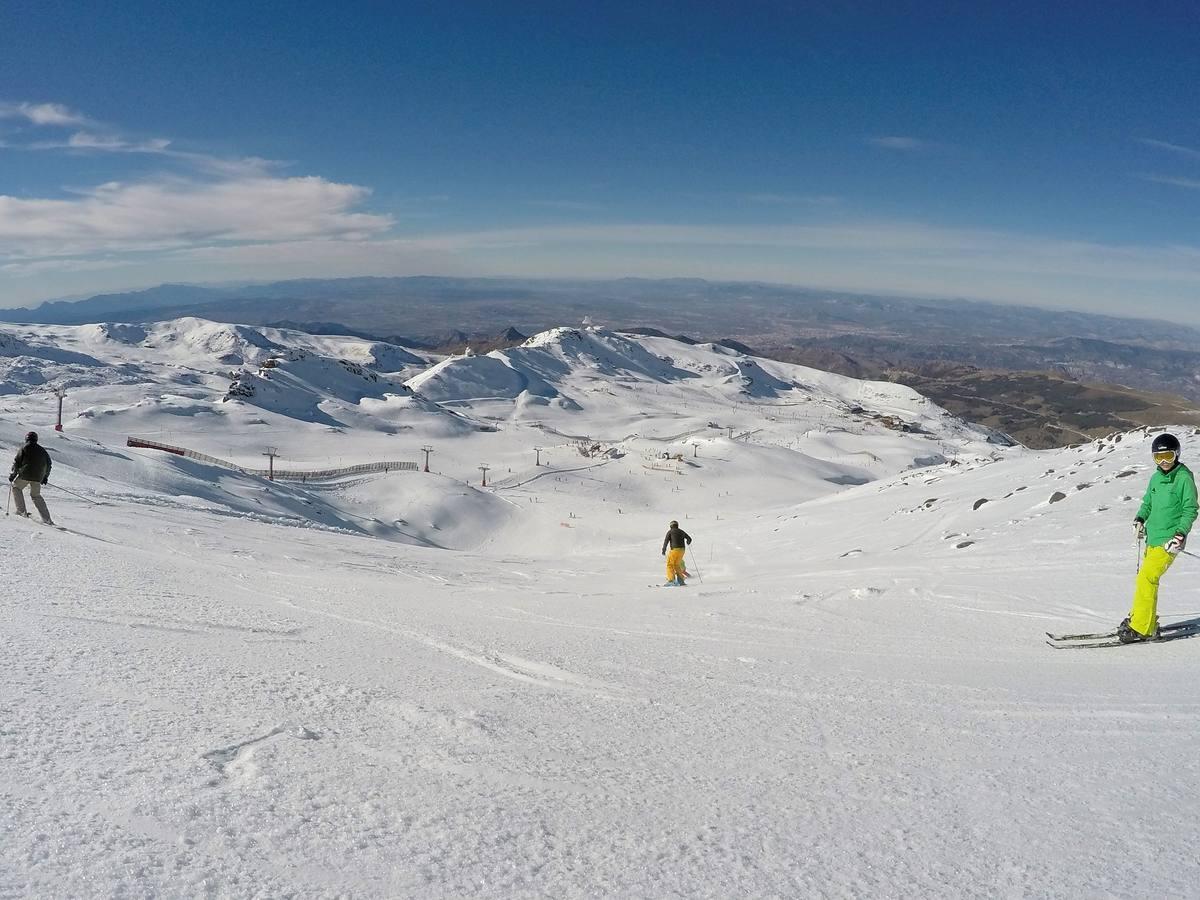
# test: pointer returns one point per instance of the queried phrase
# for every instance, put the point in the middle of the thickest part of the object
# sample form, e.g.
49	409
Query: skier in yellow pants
1164	520
678	539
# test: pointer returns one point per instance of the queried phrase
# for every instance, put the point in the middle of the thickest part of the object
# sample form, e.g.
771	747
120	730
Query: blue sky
1036	153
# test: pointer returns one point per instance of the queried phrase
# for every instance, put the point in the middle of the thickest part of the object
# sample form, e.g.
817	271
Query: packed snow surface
411	685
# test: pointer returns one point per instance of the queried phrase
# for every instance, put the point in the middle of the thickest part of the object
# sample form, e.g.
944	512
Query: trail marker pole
59	393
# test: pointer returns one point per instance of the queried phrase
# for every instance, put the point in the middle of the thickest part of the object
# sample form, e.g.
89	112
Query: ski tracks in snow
508	665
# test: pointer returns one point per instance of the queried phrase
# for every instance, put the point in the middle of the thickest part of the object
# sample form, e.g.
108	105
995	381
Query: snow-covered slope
652	421
226	390
410	685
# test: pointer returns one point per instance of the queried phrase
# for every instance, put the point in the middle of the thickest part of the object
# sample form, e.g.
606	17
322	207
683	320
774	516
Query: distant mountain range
432	307
904	339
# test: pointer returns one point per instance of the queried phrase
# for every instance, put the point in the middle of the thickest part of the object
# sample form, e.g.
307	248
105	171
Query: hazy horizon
864	149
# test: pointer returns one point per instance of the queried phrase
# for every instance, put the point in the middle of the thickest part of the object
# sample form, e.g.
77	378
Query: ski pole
9	503
72	493
692	562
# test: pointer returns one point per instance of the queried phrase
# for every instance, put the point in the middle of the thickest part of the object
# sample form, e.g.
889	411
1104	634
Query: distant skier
30	469
678	539
1164	520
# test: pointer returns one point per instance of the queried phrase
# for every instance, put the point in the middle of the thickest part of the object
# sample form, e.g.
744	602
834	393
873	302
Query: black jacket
32	463
676	538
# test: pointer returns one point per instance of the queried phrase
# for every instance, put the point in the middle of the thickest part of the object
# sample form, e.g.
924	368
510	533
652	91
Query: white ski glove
1176	544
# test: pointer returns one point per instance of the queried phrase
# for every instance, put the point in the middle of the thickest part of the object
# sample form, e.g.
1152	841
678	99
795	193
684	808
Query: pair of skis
1174	632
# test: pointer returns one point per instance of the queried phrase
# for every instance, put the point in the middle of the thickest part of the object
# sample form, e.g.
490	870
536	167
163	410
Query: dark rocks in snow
1056	496
978	503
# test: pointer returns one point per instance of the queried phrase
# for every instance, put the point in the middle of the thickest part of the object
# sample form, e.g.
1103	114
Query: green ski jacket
1169	507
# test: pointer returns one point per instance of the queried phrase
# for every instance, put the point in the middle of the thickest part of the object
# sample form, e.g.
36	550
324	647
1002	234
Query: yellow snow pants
674	563
1144	615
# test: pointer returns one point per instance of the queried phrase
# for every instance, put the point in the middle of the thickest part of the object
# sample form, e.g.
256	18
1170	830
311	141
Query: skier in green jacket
1164	520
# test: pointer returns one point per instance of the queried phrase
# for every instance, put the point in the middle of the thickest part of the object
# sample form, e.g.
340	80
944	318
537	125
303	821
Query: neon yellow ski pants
674	563
1144	615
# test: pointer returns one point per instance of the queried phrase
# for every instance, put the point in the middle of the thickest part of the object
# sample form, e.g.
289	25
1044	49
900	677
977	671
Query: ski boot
1127	635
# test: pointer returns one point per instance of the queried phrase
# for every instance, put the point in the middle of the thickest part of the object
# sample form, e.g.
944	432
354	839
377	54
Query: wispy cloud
891	257
901	143
91	136
1173	148
50	114
1191	183
84	140
898	248
107	143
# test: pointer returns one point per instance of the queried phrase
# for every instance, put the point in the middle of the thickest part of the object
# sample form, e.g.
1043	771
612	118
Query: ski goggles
1165	456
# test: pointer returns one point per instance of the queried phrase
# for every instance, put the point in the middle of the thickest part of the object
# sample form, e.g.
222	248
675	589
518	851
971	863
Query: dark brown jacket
676	538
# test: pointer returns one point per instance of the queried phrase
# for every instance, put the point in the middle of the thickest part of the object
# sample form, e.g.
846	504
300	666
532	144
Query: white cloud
46	114
905	252
118	217
85	140
887	257
216	202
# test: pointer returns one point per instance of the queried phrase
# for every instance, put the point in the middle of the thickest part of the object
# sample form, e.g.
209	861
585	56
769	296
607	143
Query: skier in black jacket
677	538
30	468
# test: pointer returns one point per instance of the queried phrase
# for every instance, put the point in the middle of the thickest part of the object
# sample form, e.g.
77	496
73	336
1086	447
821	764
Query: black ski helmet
674	524
1165	442
31	437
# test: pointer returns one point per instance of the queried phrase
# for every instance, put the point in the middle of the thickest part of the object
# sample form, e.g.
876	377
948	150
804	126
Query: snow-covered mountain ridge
233	392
